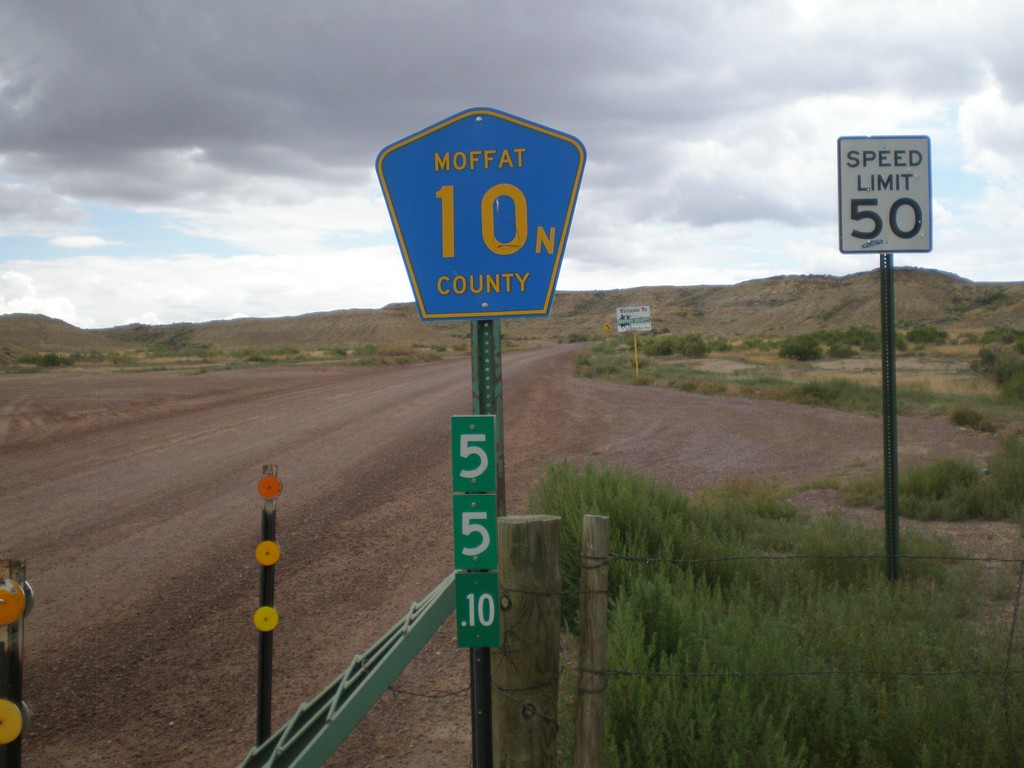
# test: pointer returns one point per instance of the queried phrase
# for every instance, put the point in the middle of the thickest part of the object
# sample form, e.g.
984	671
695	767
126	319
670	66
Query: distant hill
772	307
20	333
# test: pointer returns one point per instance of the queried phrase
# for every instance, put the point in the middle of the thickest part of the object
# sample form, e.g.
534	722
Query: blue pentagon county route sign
481	204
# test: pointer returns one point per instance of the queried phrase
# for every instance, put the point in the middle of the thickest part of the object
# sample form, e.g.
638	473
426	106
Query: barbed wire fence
1005	673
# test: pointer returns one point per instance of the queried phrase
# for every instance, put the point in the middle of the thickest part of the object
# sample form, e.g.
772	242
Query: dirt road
132	497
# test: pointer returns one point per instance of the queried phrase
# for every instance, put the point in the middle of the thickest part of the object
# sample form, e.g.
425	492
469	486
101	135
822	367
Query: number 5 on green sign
473	449
475	523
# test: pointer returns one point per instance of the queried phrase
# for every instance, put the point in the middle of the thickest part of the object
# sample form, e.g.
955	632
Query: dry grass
960	385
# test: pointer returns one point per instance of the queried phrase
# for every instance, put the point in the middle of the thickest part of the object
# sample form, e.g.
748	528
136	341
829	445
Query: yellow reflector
12	601
267	552
10	721
265	619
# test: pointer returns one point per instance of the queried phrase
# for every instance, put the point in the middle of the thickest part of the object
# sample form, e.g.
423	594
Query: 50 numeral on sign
914	216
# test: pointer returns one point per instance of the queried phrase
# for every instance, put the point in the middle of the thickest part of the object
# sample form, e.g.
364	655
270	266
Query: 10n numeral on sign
490	207
476	610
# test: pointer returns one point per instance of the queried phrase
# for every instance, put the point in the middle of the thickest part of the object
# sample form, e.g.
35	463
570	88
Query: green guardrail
319	726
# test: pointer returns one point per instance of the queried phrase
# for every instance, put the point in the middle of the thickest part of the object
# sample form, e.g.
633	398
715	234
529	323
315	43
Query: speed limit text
876	160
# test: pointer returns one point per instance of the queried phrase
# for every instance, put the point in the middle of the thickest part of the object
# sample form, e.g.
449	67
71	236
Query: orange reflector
11	721
267	553
265	619
269	486
12	601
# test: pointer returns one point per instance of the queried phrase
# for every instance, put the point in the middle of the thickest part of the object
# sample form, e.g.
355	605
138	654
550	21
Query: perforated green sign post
481	204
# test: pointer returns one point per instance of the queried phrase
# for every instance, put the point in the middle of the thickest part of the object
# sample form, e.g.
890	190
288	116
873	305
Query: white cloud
710	127
81	241
991	128
18	294
116	291
285	215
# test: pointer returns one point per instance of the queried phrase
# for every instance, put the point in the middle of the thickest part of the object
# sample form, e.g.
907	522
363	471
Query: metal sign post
889	442
265	618
481	204
885	205
487	399
16	601
478	499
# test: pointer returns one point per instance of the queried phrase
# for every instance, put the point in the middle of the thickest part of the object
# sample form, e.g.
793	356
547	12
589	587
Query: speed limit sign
885	194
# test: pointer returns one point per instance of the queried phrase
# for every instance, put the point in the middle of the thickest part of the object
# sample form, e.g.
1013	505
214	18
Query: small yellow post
636	356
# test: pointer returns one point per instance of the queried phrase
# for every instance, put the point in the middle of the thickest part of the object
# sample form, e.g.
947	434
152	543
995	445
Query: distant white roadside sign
633	319
885	194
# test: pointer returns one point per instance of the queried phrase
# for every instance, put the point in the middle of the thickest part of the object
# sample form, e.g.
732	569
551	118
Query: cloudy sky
201	159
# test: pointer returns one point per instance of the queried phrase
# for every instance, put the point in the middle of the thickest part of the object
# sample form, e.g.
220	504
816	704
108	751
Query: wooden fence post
525	669
593	643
